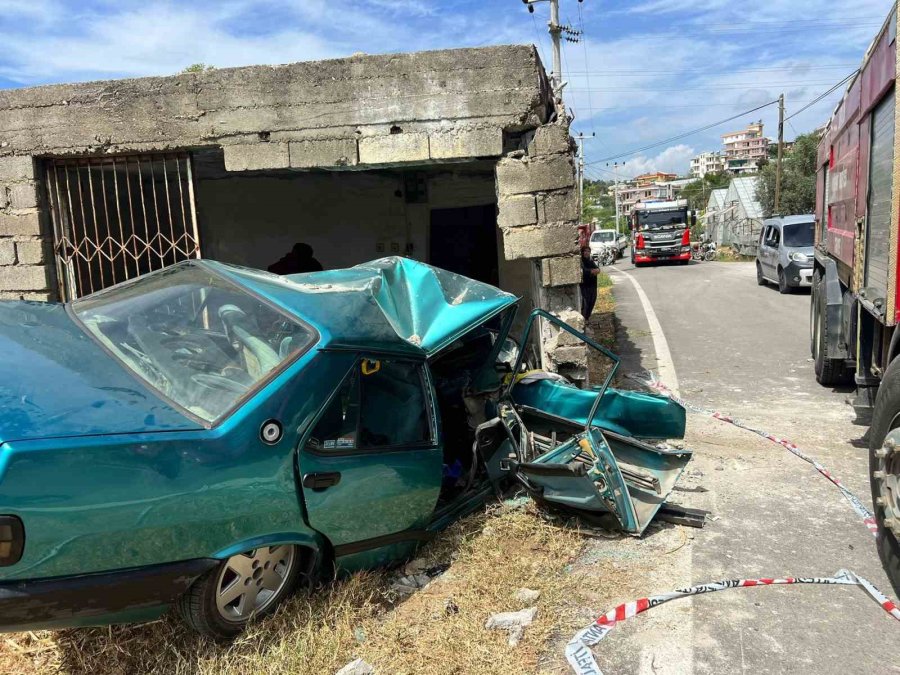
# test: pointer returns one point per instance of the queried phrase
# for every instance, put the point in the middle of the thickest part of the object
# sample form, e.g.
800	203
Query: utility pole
557	32
780	153
616	174
580	138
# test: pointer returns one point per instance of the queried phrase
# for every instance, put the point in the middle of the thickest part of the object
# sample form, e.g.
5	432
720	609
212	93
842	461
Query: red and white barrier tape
578	650
867	516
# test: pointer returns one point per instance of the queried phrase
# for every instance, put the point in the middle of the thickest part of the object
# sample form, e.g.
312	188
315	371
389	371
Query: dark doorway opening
464	240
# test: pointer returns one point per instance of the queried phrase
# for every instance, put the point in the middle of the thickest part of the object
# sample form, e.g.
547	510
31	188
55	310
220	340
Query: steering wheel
218	382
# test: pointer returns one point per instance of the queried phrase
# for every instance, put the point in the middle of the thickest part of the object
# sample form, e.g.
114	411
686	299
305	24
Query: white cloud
674	159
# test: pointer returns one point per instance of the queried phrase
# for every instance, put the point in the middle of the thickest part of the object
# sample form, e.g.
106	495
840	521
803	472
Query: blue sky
645	70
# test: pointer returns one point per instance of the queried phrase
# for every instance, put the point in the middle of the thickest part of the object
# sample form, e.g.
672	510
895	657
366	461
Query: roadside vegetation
728	254
439	629
798	178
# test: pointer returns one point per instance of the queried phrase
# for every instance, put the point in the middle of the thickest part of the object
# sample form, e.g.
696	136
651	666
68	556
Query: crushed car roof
393	303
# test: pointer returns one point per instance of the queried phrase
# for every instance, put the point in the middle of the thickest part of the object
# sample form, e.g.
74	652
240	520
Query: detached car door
585	451
370	467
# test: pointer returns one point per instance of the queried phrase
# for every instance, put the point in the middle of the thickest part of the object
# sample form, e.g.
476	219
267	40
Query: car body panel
58	382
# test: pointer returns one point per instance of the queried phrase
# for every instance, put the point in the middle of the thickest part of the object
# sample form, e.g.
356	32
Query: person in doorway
589	272
300	259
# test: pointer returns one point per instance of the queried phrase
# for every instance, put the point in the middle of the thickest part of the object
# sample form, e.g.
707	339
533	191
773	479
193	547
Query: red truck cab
661	232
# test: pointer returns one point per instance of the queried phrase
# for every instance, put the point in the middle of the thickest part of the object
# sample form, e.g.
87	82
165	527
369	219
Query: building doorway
464	241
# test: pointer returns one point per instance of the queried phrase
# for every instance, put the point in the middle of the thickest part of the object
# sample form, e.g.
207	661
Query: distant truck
600	238
855	302
661	231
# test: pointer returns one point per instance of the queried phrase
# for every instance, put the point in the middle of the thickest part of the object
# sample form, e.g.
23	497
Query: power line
684	135
587	66
820	97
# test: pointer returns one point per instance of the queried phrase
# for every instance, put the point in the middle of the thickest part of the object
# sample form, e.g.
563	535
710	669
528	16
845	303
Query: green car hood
55	381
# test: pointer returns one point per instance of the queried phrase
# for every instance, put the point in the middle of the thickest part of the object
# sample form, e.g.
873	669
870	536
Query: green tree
697	193
599	203
798	179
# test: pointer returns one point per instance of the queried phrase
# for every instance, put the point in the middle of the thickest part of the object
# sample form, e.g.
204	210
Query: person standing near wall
589	272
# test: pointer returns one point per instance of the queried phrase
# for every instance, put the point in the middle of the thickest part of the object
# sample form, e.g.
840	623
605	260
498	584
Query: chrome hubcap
887	480
249	582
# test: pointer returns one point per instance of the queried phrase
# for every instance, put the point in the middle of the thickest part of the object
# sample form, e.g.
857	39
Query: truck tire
885	418
829	372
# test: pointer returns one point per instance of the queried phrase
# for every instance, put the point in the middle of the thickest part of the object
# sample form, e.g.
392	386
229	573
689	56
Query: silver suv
785	252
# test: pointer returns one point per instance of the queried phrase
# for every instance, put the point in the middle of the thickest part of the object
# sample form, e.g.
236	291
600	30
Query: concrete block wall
538	216
23	251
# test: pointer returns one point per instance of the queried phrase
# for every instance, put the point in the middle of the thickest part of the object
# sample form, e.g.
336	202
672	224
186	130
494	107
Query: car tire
885	418
783	287
214	605
829	372
760	279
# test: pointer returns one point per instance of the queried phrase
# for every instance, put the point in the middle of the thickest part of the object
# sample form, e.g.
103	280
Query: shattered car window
198	339
381	404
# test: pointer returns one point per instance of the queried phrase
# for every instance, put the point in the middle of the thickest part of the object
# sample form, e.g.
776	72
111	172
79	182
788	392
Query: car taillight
640	241
686	238
12	540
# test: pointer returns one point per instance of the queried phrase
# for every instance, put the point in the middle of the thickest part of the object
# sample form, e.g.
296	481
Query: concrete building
744	149
707	162
645	188
458	158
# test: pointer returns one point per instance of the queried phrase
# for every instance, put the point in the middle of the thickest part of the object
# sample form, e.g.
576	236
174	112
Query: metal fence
115	218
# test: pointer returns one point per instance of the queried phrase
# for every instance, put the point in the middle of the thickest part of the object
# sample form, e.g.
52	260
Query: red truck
661	231
855	303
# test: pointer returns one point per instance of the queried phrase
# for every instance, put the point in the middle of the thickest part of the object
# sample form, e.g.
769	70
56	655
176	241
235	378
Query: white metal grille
115	218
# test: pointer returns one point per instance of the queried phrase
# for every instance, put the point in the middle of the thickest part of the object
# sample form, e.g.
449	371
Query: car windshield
799	234
603	236
196	338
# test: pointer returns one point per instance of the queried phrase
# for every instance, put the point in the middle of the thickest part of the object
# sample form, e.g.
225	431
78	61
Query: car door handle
321	481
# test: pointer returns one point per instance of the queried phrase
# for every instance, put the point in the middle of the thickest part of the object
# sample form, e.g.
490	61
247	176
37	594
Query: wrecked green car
209	436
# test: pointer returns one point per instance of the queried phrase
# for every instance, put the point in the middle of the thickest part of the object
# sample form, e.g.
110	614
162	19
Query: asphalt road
744	350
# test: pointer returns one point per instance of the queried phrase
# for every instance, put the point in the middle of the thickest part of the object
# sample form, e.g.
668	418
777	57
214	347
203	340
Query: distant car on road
785	252
601	238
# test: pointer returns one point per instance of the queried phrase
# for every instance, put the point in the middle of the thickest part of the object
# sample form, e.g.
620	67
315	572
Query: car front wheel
884	470
244	587
783	286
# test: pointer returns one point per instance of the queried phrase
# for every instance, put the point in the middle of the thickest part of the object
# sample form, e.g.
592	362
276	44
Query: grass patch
604	280
728	254
491	555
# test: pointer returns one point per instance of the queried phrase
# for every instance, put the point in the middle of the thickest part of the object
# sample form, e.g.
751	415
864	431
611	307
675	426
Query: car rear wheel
884	471
828	371
244	587
760	279
783	287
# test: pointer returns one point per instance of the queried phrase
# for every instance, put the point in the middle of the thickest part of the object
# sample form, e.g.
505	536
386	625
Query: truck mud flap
608	478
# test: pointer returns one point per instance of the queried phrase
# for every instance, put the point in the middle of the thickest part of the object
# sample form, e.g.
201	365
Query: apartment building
707	162
744	149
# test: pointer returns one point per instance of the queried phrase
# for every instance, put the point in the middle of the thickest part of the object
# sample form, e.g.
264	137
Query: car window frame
430	412
245	397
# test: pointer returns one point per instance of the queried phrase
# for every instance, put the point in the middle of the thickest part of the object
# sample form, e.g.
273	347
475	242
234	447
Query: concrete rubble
513	623
357	667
